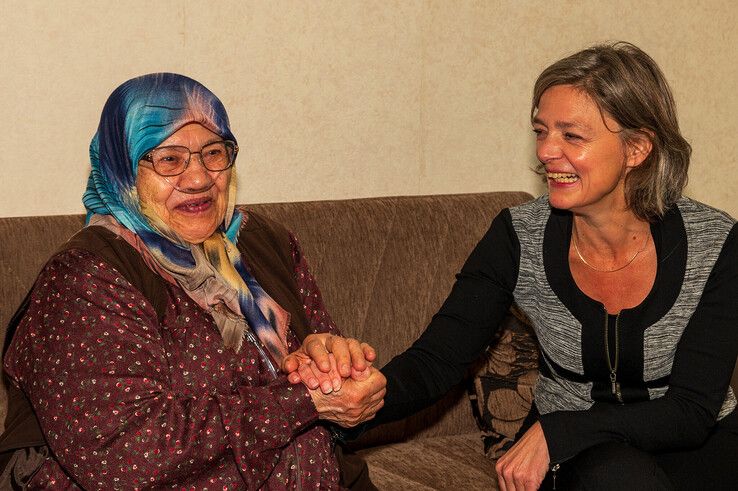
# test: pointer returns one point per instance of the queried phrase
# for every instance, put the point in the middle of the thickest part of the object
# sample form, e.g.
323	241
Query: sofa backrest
384	266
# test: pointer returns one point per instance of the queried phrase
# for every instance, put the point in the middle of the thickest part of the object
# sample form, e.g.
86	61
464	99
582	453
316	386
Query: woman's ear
639	147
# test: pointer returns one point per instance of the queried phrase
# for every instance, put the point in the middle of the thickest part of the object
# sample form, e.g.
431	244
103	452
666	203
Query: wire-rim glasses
172	160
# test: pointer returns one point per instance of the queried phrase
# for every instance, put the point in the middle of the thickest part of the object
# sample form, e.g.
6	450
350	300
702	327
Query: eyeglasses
173	160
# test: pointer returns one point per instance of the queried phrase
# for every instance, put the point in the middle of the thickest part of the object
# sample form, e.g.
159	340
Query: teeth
562	176
195	204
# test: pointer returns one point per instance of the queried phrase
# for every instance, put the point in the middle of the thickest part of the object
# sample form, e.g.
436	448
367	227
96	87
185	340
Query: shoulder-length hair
628	85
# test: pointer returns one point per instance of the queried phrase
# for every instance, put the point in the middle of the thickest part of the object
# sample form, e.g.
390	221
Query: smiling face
192	204
584	156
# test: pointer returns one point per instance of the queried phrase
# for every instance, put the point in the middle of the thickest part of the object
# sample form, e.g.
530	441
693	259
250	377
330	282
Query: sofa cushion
442	462
502	394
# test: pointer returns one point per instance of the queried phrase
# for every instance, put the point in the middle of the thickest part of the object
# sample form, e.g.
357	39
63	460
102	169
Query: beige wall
348	99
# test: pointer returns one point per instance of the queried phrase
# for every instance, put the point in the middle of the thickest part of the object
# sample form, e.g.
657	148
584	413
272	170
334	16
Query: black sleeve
703	365
461	330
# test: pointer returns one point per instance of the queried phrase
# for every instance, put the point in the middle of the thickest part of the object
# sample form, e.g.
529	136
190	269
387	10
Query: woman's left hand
524	466
358	400
324	360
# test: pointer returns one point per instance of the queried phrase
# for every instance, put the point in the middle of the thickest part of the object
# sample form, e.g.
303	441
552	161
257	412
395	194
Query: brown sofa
384	266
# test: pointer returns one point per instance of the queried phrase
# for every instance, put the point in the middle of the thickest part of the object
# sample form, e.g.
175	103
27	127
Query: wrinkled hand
524	466
324	360
355	402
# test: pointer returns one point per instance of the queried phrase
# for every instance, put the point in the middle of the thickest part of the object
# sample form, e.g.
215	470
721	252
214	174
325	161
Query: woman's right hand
325	360
357	400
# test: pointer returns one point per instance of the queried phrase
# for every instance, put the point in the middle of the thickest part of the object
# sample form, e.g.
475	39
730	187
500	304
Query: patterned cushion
502	392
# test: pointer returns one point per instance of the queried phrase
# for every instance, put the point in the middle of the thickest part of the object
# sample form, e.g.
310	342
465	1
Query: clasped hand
344	386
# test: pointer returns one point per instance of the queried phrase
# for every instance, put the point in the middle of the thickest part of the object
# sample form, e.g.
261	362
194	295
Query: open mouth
562	177
195	205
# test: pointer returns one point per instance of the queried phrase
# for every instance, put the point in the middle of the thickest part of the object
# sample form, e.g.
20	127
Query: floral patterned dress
130	401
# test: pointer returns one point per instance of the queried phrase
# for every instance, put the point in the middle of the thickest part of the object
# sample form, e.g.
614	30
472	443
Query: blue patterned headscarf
138	116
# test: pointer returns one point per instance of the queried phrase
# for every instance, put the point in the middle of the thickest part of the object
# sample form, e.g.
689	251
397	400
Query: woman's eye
572	136
539	132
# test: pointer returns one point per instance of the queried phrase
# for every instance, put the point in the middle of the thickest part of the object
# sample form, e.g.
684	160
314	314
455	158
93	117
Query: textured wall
348	99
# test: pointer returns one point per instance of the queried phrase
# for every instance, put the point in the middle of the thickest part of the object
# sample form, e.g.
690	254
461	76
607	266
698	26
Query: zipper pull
613	383
554	468
615	387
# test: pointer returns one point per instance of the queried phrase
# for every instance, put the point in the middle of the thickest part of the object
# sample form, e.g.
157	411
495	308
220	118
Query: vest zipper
613	365
251	337
297	467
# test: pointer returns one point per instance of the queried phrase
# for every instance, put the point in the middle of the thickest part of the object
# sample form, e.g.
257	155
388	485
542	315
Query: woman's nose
195	177
547	149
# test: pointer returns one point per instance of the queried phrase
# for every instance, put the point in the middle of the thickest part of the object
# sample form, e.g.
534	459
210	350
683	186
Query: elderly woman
150	343
631	289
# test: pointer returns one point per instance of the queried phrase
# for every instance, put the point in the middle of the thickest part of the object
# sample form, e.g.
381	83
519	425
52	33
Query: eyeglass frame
146	157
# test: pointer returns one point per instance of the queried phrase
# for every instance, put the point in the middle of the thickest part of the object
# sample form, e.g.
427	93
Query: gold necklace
574	241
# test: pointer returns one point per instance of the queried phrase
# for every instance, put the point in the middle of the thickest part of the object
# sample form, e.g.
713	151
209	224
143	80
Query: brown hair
627	84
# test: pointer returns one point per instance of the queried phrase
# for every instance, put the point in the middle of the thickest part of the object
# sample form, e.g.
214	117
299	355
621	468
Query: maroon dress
128	400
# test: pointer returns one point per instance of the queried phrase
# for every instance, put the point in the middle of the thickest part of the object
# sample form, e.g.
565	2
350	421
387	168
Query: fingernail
313	383
336	383
327	387
345	368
